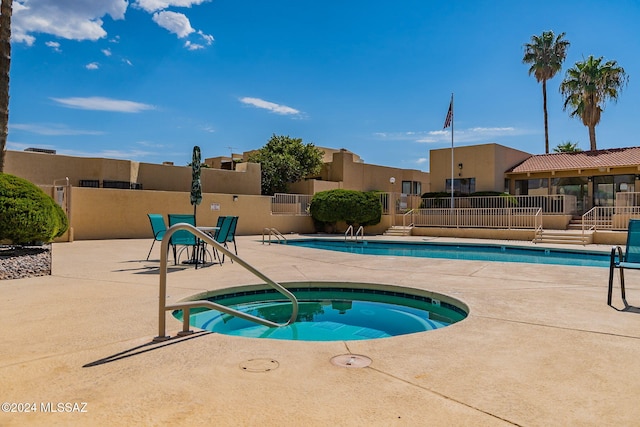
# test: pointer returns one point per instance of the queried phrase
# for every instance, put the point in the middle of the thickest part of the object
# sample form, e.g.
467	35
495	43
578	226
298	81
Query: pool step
398	230
565	237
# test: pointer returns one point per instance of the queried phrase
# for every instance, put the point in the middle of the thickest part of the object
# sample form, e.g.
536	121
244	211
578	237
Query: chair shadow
144	348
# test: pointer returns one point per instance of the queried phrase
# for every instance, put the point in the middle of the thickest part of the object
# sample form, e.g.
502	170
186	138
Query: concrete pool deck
540	346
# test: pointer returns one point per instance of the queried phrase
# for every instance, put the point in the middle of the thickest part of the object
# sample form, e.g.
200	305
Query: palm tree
545	53
5	62
587	86
567	147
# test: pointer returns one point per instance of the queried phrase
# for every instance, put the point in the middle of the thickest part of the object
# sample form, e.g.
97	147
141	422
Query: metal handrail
275	232
409	212
537	232
349	232
187	305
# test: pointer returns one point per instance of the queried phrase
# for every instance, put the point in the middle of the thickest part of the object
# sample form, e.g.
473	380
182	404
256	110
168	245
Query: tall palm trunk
592	137
5	63
546	122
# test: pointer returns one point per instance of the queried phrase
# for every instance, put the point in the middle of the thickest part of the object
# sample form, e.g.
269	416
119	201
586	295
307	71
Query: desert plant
27	214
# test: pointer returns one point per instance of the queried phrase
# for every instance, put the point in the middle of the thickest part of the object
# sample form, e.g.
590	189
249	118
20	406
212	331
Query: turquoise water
329	314
480	252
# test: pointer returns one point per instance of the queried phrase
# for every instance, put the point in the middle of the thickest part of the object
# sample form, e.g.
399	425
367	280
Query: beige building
108	198
343	169
475	168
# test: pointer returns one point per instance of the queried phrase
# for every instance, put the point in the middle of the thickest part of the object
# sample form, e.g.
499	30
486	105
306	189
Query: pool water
479	252
329	314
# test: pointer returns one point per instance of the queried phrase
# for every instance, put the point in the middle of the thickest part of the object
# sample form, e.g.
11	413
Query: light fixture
235	198
392	180
459	165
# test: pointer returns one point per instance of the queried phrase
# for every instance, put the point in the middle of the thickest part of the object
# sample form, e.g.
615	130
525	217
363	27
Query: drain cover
259	365
351	361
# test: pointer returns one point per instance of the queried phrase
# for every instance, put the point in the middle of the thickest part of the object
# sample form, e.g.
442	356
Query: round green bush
353	207
27	214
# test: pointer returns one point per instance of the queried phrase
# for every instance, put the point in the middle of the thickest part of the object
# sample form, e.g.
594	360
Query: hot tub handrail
187	305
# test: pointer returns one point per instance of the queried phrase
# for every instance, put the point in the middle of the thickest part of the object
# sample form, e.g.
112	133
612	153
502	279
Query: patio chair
629	259
222	234
158	227
231	235
186	239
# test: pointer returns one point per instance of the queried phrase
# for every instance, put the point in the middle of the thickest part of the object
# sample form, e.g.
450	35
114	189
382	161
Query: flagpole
452	176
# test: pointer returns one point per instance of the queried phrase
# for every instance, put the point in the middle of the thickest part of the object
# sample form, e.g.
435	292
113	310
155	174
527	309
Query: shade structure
196	186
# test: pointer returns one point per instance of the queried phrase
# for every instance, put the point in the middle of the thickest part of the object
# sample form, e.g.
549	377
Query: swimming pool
330	312
480	252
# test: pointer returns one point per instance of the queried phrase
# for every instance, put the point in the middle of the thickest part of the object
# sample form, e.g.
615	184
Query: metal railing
627	199
550	204
509	218
273	232
609	217
290	204
187	305
404	218
349	233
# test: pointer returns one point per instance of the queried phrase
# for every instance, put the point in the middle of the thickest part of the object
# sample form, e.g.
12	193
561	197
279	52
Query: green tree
5	63
545	53
586	87
284	160
567	147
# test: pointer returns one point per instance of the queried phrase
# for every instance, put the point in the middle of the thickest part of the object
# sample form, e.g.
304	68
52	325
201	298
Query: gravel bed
24	261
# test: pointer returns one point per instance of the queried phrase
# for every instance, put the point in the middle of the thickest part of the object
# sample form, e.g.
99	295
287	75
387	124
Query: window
462	186
412	187
532	187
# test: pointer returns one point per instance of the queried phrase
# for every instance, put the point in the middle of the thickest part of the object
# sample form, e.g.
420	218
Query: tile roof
613	157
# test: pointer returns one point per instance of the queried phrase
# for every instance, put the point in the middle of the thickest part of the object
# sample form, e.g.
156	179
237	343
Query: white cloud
69	19
274	108
106	52
103	104
155	5
51	129
477	134
176	23
55	46
192	46
82	19
92	66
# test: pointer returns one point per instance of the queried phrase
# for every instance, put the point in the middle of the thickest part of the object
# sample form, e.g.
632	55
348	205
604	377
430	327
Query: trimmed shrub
353	207
27	214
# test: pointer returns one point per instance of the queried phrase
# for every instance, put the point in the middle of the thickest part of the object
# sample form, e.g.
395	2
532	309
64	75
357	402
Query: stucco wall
103	213
487	163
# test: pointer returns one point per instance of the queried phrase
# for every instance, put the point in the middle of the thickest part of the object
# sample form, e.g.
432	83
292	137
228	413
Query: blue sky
147	80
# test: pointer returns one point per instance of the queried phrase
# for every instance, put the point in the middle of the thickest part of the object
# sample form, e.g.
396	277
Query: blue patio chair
222	234
158	227
629	259
231	235
185	238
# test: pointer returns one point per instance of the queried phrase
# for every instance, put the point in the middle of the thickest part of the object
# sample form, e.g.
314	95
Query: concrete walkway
540	347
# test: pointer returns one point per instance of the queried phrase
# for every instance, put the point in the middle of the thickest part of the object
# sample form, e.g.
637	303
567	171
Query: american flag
447	121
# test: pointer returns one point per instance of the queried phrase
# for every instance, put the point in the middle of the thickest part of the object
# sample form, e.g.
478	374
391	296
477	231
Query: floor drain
351	361
259	365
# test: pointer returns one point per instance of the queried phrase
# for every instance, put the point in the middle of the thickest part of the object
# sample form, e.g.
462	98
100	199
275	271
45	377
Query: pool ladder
350	235
186	306
273	232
